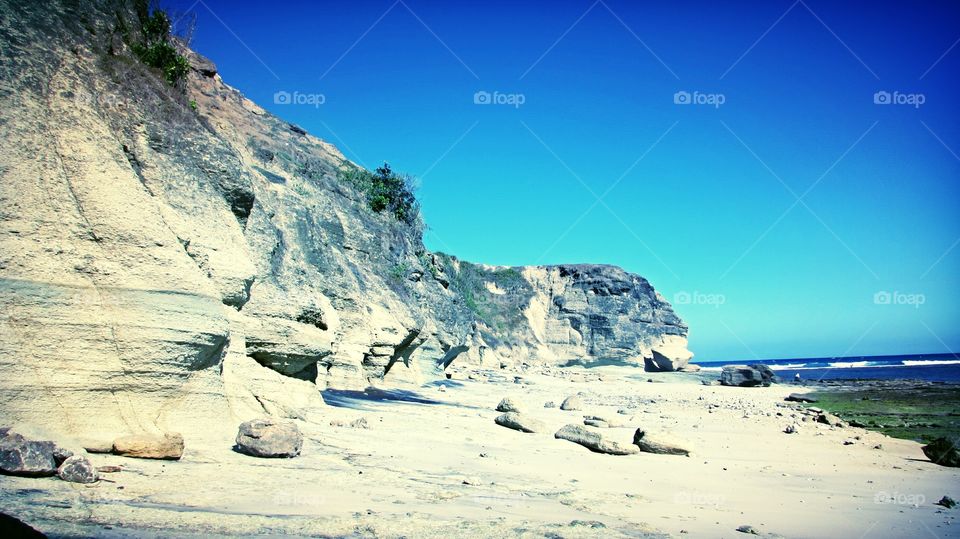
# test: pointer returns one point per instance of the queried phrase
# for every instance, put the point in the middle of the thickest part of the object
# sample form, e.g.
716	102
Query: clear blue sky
711	210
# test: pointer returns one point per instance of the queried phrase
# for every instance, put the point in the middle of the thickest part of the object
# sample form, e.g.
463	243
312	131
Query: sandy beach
431	462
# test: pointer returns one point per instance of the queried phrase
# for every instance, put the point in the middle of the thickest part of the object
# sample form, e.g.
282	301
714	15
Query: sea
927	367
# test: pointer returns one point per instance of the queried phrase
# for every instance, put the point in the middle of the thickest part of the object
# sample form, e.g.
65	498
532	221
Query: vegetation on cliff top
155	47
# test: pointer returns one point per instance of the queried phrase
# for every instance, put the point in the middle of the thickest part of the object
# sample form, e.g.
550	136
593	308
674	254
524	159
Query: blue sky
785	213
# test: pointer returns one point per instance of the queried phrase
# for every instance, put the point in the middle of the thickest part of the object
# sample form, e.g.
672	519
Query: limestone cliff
180	259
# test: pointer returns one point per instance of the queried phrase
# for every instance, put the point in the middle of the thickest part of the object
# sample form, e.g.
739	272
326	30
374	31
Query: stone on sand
520	422
571	403
269	438
594	441
19	456
800	397
77	469
509	404
659	444
168	446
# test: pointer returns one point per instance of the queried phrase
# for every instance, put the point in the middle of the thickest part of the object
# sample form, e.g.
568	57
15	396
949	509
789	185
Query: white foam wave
921	362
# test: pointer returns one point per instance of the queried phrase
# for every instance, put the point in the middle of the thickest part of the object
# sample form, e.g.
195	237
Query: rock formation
179	259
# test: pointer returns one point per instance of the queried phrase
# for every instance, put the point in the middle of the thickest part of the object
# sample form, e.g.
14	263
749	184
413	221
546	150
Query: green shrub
384	189
156	49
399	271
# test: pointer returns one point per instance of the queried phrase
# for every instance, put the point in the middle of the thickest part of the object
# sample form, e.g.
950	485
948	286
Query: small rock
792	429
508	404
520	422
748	529
878	446
549	404
269	438
77	469
148	446
947	502
571	404
594	441
800	397
595	524
848	442
829	419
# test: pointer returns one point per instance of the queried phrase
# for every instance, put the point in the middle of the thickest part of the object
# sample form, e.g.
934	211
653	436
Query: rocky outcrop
559	314
943	451
747	376
187	241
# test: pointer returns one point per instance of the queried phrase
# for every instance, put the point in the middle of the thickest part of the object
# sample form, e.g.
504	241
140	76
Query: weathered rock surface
746	375
594	441
77	469
943	451
800	397
659	444
521	422
168	446
269	438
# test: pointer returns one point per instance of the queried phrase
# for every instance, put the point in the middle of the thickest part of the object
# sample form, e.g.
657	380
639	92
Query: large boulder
30	458
594	441
169	446
943	452
659	444
521	422
269	438
77	469
747	375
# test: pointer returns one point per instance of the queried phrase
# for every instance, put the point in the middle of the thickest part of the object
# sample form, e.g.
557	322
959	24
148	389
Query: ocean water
928	367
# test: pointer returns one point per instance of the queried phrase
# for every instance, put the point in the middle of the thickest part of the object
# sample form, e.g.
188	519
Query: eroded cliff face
173	267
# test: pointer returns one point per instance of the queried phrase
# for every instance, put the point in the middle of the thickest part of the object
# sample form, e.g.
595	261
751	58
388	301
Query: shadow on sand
342	398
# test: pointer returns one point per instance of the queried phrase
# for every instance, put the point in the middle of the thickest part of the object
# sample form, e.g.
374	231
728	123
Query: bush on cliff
384	189
155	47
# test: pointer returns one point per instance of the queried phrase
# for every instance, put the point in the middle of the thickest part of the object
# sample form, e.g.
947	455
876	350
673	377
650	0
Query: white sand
406	474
